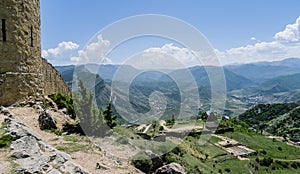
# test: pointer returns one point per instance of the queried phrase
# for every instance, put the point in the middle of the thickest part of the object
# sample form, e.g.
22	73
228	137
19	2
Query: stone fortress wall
23	72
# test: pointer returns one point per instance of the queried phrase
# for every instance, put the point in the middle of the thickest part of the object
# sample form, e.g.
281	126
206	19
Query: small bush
295	165
266	161
168	158
227	170
142	162
178	151
161	128
264	152
64	101
279	148
5	141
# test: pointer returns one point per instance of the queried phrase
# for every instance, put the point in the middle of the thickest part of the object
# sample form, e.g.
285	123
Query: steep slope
92	81
282	84
35	151
278	119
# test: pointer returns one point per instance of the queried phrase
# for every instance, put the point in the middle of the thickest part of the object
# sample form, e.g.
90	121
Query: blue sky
233	27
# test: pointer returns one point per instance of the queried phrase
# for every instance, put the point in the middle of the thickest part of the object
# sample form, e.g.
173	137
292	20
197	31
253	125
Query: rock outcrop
157	162
46	122
172	168
32	154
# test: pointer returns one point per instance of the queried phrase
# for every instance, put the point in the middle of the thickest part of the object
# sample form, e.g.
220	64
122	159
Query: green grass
75	143
71	138
55	131
259	143
73	147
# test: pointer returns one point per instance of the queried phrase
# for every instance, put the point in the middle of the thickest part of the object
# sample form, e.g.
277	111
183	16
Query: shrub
168	158
64	101
142	162
161	128
178	151
295	165
266	161
227	170
264	152
5	141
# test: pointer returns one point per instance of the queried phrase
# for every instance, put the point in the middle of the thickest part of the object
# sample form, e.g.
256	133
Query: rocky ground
34	150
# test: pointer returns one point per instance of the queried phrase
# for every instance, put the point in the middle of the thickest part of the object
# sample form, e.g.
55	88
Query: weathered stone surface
33	155
157	162
173	168
23	73
46	122
6	112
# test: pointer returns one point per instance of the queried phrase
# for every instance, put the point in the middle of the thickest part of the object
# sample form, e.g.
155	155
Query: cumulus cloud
172	56
61	54
286	44
95	52
290	33
182	55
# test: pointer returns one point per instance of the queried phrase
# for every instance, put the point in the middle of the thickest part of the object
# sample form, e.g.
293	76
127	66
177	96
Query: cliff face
23	72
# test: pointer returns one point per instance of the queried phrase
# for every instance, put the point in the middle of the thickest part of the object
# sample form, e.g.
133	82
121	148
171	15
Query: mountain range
246	84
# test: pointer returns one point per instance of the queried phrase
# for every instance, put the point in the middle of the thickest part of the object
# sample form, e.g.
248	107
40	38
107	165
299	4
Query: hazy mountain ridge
247	84
262	71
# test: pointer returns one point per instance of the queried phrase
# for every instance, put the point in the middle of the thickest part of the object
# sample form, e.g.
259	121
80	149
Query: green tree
83	106
261	127
109	117
90	117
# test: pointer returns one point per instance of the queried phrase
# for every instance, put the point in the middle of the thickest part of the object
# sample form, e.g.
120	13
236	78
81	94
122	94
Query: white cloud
290	33
61	54
68	53
182	55
95	52
286	44
178	56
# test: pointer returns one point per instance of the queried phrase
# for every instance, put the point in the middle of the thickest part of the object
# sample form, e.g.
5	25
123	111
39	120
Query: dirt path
87	157
147	128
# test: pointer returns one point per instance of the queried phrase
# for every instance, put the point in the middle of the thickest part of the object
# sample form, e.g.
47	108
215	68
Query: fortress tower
23	72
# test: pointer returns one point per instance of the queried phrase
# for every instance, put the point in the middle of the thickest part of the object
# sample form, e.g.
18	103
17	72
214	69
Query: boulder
46	121
173	168
157	162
